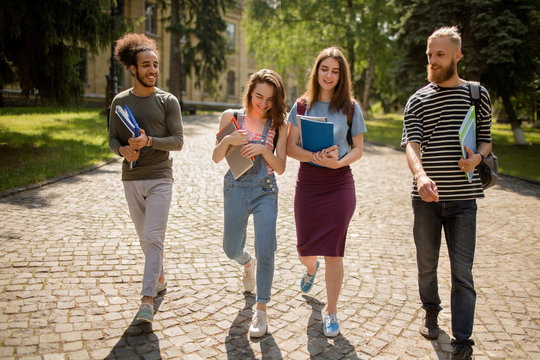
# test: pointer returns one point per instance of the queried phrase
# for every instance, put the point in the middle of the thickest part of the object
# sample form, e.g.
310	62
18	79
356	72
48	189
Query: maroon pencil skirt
324	203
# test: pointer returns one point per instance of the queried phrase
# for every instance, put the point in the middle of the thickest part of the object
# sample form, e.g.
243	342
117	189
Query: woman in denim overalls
255	192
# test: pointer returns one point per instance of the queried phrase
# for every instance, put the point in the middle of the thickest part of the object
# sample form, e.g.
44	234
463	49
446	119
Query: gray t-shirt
159	115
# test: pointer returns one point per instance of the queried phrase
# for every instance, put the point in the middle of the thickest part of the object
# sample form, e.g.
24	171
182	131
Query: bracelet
482	155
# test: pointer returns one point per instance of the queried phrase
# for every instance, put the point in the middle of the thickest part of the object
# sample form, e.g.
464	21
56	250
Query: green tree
501	46
198	41
41	42
287	35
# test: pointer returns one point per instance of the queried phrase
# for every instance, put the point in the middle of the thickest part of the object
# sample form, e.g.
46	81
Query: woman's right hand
239	137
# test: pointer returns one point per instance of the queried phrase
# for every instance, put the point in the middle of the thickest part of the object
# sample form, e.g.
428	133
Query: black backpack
488	169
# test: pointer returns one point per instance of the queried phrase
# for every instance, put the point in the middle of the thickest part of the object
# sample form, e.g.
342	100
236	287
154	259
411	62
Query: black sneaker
430	328
462	352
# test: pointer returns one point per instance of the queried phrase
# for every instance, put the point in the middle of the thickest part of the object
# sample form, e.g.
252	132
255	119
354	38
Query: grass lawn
37	144
522	161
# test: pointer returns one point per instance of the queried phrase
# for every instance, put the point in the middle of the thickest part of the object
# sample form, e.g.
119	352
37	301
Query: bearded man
442	196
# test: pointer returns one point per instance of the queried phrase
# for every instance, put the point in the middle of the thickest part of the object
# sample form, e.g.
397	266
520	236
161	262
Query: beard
144	82
443	74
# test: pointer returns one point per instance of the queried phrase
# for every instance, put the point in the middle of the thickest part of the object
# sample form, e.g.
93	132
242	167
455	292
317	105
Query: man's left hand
472	161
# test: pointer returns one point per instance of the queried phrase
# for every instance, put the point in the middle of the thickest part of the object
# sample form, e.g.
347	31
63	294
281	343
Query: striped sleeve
485	116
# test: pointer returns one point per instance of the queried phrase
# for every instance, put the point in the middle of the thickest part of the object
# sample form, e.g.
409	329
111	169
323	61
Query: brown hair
343	97
279	110
129	45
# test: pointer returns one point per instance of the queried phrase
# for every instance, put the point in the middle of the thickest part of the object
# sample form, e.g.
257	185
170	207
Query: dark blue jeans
458	218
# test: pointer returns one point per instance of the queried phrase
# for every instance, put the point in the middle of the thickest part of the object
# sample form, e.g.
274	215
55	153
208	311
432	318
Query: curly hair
279	108
129	45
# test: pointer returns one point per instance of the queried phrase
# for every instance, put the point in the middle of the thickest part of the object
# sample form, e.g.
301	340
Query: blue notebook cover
316	135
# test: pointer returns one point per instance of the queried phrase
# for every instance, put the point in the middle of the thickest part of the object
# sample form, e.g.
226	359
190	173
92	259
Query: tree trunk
375	13
367	85
537	120
519	136
174	75
351	38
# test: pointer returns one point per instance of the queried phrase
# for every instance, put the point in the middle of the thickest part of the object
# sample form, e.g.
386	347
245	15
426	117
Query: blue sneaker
307	280
331	325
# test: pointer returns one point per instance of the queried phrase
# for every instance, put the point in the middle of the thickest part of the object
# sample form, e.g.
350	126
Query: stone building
151	20
240	64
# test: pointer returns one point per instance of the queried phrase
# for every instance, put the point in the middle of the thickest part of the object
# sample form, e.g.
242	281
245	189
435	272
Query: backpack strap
474	91
301	106
350	116
276	136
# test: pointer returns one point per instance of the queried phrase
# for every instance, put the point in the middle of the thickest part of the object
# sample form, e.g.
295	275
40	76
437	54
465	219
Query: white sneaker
259	324
249	276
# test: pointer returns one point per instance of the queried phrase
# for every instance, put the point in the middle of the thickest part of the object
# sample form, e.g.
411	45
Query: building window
82	65
231	36
120	77
151	18
230	83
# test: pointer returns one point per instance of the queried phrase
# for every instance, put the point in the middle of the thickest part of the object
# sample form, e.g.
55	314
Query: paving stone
71	271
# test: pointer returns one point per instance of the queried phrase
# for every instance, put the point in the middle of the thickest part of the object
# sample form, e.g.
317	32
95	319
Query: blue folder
316	135
127	118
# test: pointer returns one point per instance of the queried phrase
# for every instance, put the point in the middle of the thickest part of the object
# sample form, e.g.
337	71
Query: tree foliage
288	34
198	42
501	46
41	41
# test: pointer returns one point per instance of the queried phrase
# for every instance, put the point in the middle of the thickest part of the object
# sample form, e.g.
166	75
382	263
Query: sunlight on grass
37	144
521	161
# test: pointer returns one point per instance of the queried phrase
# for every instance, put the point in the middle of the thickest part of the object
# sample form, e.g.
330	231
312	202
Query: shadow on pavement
444	338
138	341
318	344
31	197
237	343
516	185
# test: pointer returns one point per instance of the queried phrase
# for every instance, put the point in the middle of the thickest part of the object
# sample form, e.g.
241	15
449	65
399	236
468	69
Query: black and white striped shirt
433	116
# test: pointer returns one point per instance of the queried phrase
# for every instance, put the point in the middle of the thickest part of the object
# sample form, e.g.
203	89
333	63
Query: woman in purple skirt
325	198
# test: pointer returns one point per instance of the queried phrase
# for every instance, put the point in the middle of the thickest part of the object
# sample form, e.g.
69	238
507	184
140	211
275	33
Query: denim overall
255	192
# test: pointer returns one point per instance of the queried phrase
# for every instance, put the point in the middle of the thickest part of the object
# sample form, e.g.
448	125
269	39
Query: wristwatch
482	155
149	143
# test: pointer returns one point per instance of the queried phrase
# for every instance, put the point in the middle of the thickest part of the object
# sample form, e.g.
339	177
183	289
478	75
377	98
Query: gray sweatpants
149	202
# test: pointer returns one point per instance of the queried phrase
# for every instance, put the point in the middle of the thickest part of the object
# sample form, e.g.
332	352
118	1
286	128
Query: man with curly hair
148	184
